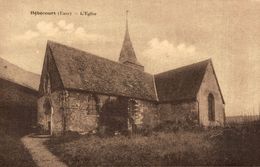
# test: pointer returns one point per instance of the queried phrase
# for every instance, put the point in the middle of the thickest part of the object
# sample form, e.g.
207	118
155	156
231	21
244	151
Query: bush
237	145
172	126
68	136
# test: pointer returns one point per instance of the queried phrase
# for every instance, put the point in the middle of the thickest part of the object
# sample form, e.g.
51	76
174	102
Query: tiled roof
84	71
15	74
181	83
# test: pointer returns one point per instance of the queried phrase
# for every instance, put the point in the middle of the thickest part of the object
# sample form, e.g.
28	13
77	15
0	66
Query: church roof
127	53
15	74
182	83
84	71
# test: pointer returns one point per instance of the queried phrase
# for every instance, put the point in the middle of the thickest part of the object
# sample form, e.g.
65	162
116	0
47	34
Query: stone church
83	92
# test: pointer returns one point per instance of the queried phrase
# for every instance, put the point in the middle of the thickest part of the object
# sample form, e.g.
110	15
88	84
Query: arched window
211	107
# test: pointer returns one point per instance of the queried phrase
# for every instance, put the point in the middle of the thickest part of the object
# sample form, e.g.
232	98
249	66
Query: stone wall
198	109
54	114
72	111
79	115
209	85
80	120
147	115
181	112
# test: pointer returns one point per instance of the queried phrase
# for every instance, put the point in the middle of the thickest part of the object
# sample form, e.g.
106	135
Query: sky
166	34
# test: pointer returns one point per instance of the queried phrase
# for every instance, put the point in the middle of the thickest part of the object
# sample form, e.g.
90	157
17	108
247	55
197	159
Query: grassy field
12	151
243	119
139	150
230	146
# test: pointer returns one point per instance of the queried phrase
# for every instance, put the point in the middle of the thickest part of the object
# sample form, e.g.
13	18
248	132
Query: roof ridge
16	74
185	66
21	84
2	59
155	88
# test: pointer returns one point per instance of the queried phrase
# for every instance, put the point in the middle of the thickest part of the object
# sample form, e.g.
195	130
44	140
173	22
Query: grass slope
13	153
181	148
229	146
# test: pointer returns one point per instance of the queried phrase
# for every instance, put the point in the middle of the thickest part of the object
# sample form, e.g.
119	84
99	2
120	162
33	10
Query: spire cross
127	19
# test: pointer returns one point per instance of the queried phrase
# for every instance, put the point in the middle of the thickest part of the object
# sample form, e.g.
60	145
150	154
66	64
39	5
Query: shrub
68	136
174	126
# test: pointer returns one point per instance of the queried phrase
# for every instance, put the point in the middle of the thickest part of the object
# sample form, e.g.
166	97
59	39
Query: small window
92	106
211	107
47	84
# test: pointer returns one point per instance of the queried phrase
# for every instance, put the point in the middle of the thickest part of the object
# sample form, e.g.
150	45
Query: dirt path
40	154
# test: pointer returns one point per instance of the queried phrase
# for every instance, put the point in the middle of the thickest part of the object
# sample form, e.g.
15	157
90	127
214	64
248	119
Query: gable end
50	71
215	76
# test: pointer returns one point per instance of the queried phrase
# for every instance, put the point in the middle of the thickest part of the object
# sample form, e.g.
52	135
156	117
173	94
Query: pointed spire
127	54
126	20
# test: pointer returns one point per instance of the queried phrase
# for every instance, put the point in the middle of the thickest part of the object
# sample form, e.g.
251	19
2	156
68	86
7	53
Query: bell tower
127	54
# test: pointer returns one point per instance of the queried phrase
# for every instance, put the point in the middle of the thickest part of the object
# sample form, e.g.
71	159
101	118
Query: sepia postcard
129	83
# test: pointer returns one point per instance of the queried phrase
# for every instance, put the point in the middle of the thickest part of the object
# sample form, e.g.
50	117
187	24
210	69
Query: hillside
13	73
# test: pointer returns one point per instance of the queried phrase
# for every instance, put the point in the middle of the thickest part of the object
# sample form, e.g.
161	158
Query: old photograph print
129	83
